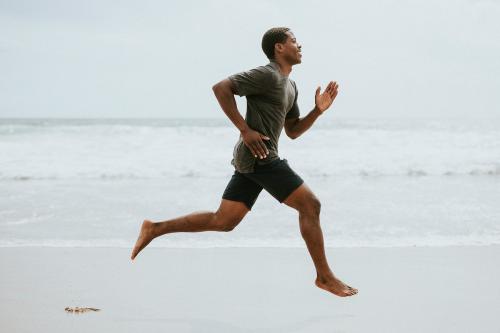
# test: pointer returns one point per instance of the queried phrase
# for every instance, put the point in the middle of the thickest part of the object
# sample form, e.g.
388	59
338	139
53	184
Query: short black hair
271	37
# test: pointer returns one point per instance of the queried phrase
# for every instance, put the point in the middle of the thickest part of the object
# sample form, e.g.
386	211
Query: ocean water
381	182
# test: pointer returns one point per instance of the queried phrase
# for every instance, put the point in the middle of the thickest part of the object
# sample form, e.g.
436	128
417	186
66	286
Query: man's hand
324	100
253	140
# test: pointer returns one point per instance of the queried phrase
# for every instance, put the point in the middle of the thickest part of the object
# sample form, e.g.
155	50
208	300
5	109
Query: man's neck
285	68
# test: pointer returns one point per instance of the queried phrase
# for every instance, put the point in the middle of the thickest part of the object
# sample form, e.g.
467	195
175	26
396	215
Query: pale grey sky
392	58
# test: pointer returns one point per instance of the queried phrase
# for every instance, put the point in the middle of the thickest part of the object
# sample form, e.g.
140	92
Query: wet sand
402	289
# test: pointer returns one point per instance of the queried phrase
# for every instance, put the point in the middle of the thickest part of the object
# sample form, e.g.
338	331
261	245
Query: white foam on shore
110	150
472	240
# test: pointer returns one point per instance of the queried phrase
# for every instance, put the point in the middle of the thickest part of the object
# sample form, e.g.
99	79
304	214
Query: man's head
280	43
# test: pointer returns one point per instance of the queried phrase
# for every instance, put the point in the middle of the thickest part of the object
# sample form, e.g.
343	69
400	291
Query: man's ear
278	47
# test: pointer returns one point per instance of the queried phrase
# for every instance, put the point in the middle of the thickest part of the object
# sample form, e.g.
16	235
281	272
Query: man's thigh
301	198
230	213
242	189
277	178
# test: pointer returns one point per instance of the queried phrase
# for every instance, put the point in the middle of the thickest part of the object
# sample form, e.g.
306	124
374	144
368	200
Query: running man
271	105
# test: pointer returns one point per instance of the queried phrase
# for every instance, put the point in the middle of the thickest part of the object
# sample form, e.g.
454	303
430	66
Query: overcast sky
398	58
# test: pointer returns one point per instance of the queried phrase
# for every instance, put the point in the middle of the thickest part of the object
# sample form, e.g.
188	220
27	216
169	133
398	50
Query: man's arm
224	92
295	127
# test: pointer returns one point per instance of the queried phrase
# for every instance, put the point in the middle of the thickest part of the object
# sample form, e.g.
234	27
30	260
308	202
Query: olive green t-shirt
271	98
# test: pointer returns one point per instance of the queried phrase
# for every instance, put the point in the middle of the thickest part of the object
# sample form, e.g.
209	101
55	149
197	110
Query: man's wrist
244	128
317	111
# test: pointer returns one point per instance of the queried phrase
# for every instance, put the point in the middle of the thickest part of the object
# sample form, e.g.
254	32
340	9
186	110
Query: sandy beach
405	289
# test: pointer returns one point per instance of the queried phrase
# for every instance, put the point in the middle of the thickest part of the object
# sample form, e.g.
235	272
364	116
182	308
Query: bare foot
145	237
336	287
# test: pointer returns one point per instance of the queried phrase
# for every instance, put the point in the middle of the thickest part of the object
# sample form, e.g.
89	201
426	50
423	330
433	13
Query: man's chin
295	61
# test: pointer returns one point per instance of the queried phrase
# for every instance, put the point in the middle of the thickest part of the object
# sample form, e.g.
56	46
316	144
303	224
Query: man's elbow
216	87
221	87
291	134
290	128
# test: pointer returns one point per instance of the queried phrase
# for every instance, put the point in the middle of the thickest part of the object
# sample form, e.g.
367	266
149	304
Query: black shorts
276	177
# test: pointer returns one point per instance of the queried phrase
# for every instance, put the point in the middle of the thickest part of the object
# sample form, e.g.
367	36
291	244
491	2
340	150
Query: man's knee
225	222
311	206
304	201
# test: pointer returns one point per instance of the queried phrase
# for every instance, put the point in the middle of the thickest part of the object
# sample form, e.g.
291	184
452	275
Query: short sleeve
294	112
252	82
